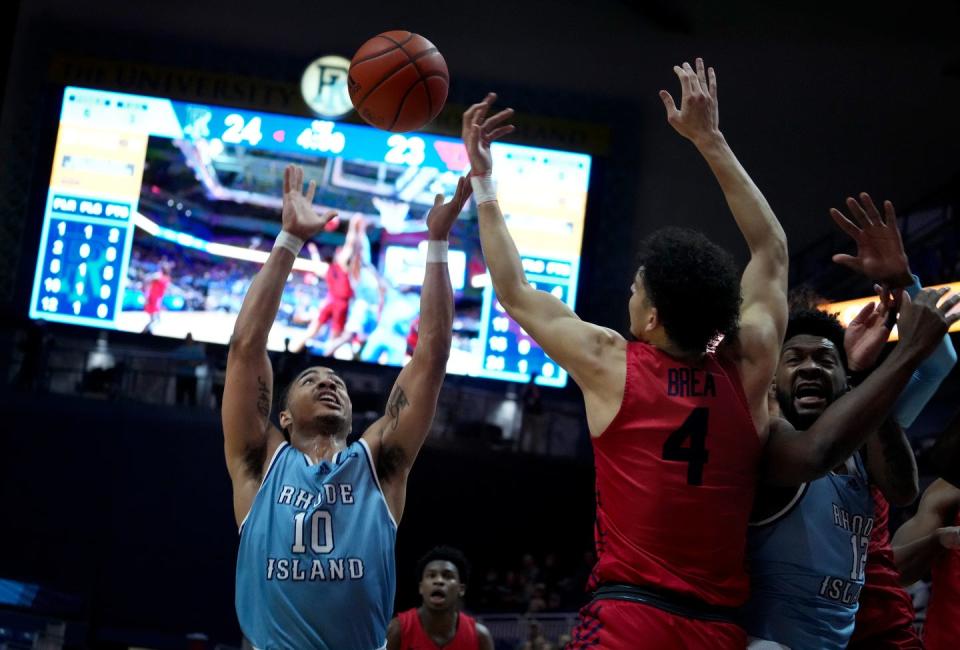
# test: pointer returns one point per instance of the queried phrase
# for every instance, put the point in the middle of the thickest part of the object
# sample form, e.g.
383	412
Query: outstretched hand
698	117
299	216
880	254
442	215
479	131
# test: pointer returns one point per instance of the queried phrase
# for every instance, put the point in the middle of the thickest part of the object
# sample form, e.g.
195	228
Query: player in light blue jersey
317	517
807	545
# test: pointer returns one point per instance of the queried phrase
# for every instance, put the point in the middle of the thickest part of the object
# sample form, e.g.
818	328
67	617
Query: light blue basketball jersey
316	563
807	563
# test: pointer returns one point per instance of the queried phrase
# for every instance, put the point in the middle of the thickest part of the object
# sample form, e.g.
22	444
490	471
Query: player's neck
317	445
667	346
439	623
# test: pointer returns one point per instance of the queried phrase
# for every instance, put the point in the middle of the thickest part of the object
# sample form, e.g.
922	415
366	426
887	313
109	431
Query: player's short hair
814	322
694	285
446	554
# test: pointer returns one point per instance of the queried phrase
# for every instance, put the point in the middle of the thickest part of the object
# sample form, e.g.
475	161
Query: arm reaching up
395	439
763	313
588	352
249	437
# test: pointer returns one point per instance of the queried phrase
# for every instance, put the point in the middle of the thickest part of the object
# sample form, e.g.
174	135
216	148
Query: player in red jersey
677	429
438	622
156	289
930	541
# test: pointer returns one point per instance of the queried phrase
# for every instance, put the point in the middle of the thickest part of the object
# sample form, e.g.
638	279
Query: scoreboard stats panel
94	219
83	254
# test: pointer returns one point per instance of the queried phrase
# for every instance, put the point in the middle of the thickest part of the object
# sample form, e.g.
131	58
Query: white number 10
315	537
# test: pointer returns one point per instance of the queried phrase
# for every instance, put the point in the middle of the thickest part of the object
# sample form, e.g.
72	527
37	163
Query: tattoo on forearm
397	402
263	398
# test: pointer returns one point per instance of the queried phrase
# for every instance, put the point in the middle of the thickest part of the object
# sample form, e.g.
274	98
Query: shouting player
678	430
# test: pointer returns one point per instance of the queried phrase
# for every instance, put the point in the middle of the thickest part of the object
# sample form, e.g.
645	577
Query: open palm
299	216
880	254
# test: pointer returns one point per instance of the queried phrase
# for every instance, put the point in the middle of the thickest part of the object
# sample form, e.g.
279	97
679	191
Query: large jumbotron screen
160	212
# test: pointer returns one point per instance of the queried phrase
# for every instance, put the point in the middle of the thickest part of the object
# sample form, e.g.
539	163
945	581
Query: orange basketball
398	81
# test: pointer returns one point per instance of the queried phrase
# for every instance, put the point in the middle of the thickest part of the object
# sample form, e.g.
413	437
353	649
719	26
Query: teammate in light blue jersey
317	517
807	546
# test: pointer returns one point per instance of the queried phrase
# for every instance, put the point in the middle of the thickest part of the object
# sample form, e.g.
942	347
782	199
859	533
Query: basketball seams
412	60
435	95
403	101
385	52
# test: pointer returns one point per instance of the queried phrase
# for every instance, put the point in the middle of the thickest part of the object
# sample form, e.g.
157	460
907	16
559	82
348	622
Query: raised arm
581	348
395	439
763	314
249	437
919	541
792	457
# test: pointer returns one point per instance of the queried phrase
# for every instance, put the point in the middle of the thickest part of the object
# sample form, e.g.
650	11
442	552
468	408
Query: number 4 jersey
316	565
675	479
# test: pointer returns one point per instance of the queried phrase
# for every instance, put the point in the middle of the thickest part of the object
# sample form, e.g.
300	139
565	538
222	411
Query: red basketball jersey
885	616
942	629
414	637
676	471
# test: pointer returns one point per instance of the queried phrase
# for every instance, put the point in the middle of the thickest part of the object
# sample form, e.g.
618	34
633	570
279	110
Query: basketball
398	81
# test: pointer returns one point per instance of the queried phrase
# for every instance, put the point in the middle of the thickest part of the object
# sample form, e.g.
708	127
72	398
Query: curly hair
446	554
814	322
694	285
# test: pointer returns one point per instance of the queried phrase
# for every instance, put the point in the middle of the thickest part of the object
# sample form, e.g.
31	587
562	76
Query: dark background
128	506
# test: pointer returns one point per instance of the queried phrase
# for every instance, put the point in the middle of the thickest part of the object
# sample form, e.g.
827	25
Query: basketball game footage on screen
160	212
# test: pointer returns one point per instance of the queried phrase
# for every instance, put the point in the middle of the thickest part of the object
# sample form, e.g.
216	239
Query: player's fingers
685	87
498	133
286	179
692	78
844	223
950	303
857	212
668	103
498	118
311	190
872	213
712	79
864	313
701	74
438	200
848	261
889	214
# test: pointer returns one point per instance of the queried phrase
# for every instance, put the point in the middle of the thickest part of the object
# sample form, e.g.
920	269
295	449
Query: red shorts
334	311
624	625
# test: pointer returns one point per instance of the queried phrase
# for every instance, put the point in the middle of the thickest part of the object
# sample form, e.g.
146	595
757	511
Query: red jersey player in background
930	541
156	289
678	430
438	622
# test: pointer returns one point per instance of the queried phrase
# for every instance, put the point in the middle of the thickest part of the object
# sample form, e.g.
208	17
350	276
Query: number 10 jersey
676	473
316	562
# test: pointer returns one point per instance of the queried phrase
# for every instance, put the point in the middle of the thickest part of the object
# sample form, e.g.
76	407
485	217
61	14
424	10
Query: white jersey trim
376	479
266	473
784	510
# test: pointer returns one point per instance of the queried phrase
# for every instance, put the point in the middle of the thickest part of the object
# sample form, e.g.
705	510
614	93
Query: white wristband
484	188
291	242
437	251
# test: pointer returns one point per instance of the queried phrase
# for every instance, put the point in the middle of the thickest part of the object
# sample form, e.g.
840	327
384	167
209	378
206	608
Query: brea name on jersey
690	382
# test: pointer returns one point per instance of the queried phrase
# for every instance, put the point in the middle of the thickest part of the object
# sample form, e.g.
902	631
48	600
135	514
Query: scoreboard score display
159	213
